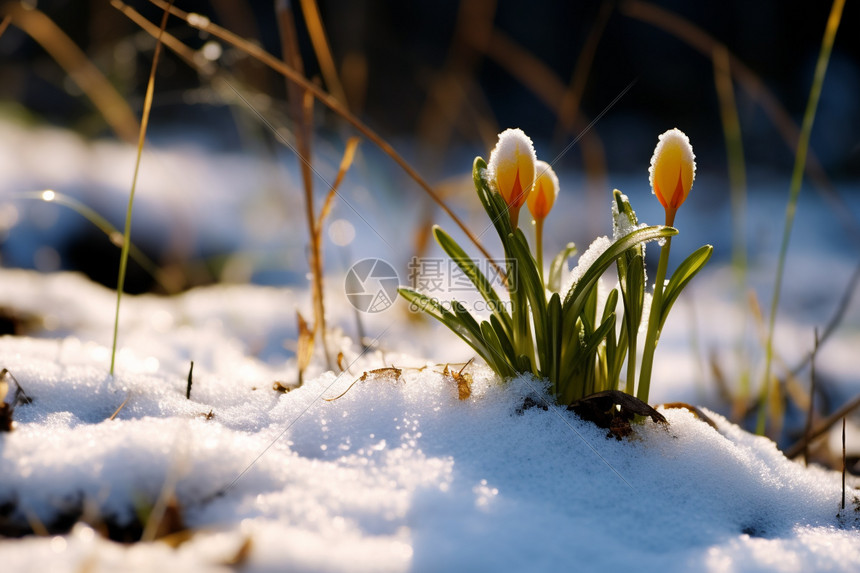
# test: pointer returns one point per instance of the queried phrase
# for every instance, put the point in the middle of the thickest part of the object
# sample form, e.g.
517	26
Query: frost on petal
512	166
595	249
545	191
673	168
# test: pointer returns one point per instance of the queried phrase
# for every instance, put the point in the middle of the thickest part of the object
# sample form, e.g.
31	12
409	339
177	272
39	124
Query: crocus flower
673	168
544	192
512	168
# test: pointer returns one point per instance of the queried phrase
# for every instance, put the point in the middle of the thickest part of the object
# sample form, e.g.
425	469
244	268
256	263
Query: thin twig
319	40
797	448
188	387
844	459
301	110
185	53
837	317
810	410
121	406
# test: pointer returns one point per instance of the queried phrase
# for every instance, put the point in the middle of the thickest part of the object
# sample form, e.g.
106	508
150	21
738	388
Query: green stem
123	263
631	361
539	248
126	236
652	336
796	180
523	343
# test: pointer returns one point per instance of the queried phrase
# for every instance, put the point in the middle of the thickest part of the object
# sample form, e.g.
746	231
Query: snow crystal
591	254
621	225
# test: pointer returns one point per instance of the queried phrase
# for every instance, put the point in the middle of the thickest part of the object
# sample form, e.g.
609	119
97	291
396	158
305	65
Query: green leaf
502	362
611	341
530	285
681	277
525	364
467	320
575	298
617	363
572	345
589	311
553	339
504	340
623	209
633	292
611	303
594	340
557	267
493	203
474	274
470	333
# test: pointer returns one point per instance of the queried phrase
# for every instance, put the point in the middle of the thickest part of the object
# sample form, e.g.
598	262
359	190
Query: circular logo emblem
371	285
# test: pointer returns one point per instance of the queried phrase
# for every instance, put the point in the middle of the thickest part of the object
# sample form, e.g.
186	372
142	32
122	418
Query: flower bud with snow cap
512	169
544	192
540	202
673	168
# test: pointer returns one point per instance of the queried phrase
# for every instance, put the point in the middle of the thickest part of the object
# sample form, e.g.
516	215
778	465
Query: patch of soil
614	410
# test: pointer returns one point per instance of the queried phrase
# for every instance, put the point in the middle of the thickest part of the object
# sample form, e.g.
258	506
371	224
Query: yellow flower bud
544	192
673	168
512	168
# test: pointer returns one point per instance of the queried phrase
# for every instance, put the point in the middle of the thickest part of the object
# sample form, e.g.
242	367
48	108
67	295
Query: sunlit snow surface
396	475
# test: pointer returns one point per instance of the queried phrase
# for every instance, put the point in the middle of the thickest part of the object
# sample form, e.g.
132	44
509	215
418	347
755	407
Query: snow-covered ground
398	474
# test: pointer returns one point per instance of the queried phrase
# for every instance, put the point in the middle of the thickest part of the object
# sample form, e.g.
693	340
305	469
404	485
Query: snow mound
398	474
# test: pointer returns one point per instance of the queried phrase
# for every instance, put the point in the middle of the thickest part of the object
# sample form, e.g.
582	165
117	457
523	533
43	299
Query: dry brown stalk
81	70
301	111
202	23
319	40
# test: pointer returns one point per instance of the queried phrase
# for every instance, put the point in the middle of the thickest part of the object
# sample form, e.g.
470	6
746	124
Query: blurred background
593	83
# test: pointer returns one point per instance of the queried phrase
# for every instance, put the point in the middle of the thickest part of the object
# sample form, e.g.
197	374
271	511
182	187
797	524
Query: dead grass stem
253	50
74	61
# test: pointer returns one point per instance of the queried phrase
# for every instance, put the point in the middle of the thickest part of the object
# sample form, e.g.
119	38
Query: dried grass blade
301	107
74	61
794	192
184	52
345	164
256	52
701	41
144	122
305	346
322	49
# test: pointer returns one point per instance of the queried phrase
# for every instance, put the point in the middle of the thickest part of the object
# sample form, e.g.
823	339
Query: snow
397	475
586	259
